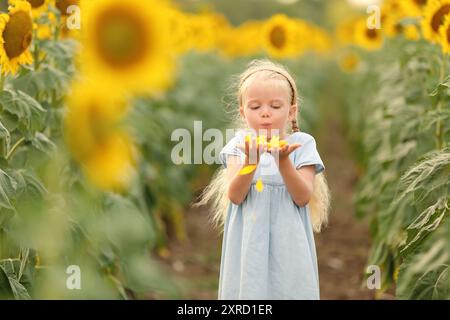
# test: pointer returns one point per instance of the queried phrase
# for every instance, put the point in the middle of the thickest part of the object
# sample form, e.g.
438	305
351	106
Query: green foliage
401	114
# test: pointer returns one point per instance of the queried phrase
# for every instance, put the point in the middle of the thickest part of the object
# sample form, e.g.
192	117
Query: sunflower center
121	37
62	5
448	35
278	37
36	3
371	33
438	17
17	34
420	3
398	28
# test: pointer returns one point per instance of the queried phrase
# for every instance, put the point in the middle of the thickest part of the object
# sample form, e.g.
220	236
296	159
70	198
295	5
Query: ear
292	112
241	111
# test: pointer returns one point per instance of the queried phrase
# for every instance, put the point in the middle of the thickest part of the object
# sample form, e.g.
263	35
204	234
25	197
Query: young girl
269	214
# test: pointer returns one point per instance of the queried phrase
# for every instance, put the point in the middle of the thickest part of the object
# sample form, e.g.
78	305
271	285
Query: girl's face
266	105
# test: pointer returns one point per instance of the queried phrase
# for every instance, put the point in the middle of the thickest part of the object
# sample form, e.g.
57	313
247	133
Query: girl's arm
239	185
300	183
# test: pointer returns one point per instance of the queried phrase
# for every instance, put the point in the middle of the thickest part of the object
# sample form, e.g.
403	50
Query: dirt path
342	247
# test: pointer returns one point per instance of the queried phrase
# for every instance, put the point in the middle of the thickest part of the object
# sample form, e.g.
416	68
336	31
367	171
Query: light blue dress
268	249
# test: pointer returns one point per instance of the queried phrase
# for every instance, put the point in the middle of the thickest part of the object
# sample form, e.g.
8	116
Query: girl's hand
282	152
253	149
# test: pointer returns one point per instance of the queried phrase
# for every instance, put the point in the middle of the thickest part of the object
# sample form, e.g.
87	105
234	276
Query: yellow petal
247	169
259	185
283	143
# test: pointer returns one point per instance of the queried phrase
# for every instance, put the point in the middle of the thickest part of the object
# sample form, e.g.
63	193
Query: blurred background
91	92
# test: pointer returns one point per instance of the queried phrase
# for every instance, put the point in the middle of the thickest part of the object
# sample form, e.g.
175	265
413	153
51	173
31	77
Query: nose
265	113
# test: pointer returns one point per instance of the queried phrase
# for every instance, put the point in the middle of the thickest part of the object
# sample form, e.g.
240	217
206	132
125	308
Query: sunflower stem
2	80
36	56
439	127
14	147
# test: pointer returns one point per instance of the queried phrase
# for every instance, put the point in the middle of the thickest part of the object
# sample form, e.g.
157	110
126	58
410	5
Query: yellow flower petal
259	185
247	169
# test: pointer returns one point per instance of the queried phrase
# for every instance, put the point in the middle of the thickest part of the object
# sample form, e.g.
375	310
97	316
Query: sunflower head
413	8
444	33
38	7
368	38
281	37
63	5
127	40
16	30
434	14
93	112
111	167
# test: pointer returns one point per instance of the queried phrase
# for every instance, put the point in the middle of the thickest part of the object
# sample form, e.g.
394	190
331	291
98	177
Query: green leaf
43	143
20	292
432	166
432	285
6	292
4	135
7	189
428	221
48	80
29	112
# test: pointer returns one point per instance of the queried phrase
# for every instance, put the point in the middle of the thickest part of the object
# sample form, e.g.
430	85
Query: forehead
266	89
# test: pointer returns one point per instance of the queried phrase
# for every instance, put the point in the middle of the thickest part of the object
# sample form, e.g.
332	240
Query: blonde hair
216	192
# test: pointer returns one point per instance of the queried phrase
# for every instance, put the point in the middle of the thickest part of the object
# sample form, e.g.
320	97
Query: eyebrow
257	100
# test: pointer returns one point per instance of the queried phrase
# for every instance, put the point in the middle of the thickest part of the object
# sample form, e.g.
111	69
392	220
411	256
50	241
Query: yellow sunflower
349	62
413	8
434	13
16	30
181	40
94	134
245	40
38	7
444	33
93	112
370	39
126	44
345	32
67	33
112	164
280	36
321	42
62	5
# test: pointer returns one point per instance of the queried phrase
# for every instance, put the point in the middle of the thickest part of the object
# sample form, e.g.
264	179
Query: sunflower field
92	90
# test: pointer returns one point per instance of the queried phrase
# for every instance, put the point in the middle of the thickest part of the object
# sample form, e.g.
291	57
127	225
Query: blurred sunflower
127	44
280	36
38	7
349	62
413	8
244	40
62	5
444	33
321	42
345	32
434	13
16	30
370	39
94	134
93	112
112	165
181	39
206	30
67	33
